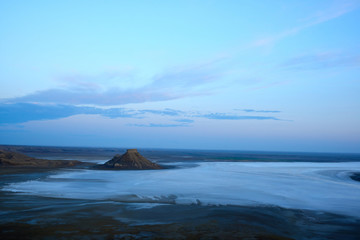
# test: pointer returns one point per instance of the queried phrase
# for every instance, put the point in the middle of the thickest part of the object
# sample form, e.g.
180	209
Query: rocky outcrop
13	159
131	160
355	176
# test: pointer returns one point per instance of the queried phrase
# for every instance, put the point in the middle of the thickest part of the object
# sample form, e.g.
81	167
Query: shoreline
25	216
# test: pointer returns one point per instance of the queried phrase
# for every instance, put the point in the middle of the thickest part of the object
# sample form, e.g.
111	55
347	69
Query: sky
231	75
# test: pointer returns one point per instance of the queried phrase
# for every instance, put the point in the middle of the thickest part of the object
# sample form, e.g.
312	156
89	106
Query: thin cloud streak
258	111
173	84
184	120
166	111
322	61
335	11
222	116
157	125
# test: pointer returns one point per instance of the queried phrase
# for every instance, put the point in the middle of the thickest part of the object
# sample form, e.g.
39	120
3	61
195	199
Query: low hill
14	159
131	160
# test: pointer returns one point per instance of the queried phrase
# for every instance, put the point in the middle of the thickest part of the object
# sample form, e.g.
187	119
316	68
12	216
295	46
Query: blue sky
243	75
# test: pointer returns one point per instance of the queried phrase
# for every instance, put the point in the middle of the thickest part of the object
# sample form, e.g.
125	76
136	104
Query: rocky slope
131	160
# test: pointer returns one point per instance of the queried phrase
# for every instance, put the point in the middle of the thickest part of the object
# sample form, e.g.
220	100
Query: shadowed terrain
13	159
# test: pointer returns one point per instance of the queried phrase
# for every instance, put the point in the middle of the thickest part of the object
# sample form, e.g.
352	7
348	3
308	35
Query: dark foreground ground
31	217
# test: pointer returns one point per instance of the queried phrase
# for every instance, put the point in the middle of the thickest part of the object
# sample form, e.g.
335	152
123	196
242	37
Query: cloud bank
25	112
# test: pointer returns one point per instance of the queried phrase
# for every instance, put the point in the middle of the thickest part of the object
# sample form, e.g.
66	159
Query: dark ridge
14	159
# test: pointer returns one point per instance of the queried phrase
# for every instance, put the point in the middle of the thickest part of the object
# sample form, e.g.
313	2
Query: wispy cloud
184	120
322	60
166	111
175	83
25	112
335	10
222	116
258	111
109	97
269	40
158	125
